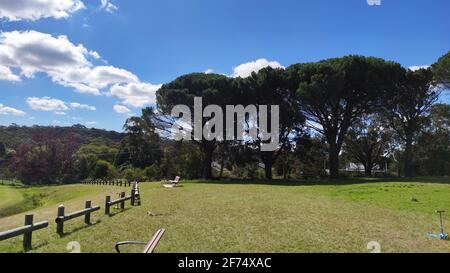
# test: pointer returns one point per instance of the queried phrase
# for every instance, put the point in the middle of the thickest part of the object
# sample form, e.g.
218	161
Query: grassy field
230	216
14	200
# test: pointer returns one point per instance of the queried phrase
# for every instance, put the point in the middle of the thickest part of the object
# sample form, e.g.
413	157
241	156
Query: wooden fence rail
26	231
62	217
119	182
121	201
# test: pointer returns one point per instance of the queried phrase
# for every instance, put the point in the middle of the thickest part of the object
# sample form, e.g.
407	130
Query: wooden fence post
28	236
122	204
60	225
132	196
87	217
108	199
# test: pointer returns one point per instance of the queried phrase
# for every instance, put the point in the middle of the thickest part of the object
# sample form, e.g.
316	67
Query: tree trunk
268	170
334	161
368	170
222	165
207	161
368	166
268	159
286	171
408	158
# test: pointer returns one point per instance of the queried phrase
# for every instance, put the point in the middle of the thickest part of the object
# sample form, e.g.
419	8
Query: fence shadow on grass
38	246
115	211
77	229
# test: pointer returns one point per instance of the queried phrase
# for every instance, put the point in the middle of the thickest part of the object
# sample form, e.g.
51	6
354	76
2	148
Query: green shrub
153	172
133	174
103	169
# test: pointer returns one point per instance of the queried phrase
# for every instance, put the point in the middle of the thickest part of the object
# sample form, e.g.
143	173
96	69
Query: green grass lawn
233	216
10	198
18	199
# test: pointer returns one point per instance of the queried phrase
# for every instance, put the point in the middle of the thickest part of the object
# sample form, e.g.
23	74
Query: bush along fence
29	227
26	231
115	182
62	217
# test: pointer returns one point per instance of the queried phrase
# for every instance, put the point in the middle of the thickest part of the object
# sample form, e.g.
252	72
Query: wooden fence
26	231
116	182
62	217
121	201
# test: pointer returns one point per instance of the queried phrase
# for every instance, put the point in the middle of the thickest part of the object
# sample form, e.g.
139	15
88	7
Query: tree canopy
334	93
353	109
407	109
269	87
213	88
441	70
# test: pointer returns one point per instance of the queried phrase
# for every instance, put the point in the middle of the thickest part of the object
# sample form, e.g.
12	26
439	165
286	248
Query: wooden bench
176	181
149	247
173	183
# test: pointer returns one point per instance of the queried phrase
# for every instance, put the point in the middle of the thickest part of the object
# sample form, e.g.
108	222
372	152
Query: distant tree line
353	109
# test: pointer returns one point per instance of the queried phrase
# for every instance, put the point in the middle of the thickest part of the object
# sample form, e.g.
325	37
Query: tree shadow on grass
326	182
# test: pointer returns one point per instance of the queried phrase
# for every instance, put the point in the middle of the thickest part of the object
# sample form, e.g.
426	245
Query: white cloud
136	94
91	123
374	2
76	105
108	6
208	71
121	109
104	76
4	110
32	52
70	65
7	75
60	113
32	10
94	54
418	67
49	104
245	70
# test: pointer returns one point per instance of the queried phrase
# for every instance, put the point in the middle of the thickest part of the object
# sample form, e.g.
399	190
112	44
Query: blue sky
123	50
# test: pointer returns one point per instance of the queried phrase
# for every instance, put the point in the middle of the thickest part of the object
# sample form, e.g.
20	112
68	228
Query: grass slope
10	198
214	216
20	199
